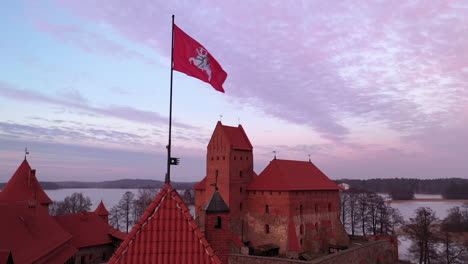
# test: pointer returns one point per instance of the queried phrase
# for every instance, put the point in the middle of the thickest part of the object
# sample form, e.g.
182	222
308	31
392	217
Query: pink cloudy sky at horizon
369	89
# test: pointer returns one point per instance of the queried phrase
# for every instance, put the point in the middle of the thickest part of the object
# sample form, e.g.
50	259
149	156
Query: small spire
274	151
220	118
26	152
309	158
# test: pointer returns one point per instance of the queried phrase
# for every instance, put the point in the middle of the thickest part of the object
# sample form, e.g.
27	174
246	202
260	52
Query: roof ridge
166	193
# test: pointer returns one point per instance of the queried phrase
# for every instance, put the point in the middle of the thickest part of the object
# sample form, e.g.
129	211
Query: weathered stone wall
382	252
94	255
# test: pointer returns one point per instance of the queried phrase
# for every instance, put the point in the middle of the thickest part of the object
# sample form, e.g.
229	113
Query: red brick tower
229	162
217	226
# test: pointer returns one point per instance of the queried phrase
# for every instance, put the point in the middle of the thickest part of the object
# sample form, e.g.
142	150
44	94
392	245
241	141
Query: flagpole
168	174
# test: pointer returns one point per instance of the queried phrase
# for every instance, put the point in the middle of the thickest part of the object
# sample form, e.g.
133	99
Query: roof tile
291	175
166	233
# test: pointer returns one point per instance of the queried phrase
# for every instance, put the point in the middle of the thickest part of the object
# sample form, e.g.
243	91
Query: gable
166	233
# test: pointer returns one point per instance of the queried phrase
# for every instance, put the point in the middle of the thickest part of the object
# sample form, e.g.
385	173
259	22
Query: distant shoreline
430	200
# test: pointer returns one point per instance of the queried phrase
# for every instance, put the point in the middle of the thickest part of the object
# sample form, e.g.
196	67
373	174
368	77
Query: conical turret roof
101	210
216	204
24	186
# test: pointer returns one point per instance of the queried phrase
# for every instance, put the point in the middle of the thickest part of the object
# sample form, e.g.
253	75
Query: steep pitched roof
166	233
32	235
24	186
88	229
236	136
216	204
101	209
200	185
291	175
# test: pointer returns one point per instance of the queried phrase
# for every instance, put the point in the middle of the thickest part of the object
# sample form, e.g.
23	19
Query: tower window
329	207
301	241
316	208
267	229
212	158
240	189
240	174
267	209
235	157
240	157
240	206
217	173
301	229
247	158
217	157
300	209
224	157
218	222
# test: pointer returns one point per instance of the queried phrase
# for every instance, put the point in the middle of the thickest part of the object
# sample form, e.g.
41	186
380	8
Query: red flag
194	60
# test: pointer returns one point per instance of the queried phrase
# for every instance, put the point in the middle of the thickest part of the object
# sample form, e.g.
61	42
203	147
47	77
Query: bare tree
143	200
75	203
125	211
423	233
363	211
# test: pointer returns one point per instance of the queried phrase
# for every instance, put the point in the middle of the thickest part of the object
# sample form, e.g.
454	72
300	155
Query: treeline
451	188
367	213
438	242
117	184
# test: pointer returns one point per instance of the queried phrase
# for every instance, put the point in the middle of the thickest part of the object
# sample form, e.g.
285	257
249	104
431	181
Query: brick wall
374	252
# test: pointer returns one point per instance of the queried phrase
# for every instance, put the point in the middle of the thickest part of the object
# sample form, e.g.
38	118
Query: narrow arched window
300	209
217	173
329	207
316	208
267	209
218	222
240	206
267	229
240	189
240	174
301	229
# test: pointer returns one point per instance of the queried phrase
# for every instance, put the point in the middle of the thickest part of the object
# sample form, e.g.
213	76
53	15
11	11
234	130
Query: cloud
89	41
65	162
76	101
318	64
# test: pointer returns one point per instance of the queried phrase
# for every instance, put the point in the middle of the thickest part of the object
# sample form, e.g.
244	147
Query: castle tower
229	163
102	212
24	186
217	226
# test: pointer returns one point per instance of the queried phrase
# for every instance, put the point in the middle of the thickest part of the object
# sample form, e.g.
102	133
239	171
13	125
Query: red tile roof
236	137
31	233
88	229
101	210
23	186
291	175
200	185
166	233
293	244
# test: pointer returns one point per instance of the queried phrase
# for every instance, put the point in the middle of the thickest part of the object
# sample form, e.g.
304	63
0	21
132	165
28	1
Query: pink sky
367	88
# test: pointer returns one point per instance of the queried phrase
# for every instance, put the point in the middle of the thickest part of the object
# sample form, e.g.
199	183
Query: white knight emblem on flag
202	61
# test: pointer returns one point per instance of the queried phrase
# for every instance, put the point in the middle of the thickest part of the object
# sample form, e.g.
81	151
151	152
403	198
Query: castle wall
276	217
382	251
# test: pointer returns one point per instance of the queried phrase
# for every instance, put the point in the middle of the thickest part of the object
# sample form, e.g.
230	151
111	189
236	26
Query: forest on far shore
404	189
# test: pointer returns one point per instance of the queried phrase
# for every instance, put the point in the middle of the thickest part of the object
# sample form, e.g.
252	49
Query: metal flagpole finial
26	152
220	118
274	151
